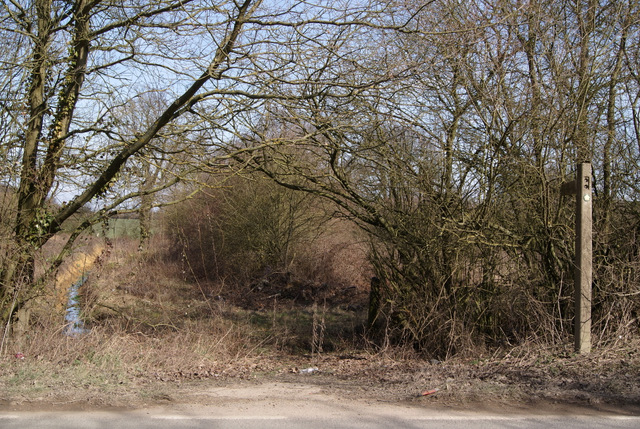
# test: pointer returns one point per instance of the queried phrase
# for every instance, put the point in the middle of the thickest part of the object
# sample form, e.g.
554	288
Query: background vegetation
252	229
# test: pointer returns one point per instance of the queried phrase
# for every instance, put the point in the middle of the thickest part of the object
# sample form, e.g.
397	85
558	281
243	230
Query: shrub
252	228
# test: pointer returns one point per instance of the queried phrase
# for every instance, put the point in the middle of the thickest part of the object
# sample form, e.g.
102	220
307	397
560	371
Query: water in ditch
74	324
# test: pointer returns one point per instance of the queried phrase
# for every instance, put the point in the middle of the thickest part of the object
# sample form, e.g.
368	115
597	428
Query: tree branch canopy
78	70
442	128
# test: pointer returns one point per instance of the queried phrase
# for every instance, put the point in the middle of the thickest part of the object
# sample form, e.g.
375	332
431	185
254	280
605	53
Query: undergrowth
146	321
150	327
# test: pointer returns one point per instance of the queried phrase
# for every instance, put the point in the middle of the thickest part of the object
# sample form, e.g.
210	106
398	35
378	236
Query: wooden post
583	269
581	188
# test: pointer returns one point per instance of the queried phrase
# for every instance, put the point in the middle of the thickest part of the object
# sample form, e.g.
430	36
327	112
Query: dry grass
152	332
143	323
149	326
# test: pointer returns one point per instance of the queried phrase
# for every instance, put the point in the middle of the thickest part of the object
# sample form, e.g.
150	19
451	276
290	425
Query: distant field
119	228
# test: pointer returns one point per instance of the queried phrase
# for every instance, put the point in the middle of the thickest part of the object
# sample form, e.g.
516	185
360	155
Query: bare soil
580	386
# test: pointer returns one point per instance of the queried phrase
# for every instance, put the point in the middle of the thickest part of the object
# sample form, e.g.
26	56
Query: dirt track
490	387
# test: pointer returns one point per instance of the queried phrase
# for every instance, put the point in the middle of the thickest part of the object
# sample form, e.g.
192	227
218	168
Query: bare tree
76	64
454	161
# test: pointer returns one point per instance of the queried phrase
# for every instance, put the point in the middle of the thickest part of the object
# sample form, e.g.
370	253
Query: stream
75	325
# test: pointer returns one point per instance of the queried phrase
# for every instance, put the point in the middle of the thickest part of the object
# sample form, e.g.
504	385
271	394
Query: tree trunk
16	292
144	215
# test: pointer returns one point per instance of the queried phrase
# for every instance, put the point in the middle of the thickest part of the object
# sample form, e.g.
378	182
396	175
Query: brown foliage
253	230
